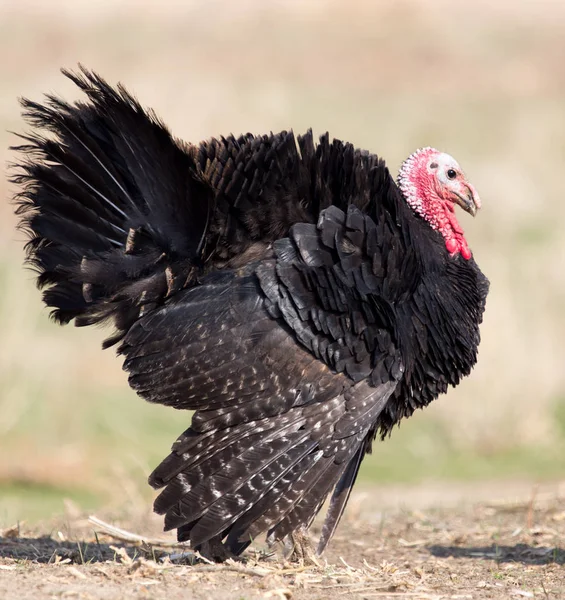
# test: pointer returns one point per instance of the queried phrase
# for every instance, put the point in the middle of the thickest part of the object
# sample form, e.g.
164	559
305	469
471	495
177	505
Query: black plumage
284	290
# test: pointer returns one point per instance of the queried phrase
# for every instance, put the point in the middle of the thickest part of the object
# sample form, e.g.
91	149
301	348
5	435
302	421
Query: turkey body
281	289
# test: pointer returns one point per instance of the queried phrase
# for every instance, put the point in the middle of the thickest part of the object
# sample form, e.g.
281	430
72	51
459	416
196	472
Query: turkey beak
469	200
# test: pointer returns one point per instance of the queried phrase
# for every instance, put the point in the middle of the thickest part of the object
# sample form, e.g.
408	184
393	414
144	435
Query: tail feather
115	213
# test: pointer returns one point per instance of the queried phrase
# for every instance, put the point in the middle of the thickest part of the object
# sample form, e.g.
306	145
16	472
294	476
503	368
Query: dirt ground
450	544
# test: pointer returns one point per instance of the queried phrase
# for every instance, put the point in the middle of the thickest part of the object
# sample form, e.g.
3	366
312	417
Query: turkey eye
451	174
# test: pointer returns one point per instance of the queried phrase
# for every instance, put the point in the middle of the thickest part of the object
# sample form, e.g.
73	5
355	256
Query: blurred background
484	83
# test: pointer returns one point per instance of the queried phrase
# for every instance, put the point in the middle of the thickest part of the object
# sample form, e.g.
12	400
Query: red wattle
451	245
465	252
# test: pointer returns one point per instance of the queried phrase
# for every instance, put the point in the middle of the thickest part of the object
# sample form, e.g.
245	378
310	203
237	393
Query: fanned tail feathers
111	205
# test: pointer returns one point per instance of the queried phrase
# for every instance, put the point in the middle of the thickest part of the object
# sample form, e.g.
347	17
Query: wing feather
274	358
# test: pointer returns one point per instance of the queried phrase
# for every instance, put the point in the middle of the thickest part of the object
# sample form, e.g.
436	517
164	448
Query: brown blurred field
485	84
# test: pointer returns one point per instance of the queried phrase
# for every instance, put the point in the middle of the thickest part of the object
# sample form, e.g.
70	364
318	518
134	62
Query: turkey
291	293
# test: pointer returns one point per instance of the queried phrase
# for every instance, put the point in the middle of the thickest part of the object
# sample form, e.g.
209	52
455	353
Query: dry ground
466	550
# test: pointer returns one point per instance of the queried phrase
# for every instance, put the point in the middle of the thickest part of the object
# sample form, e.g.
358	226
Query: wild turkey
290	293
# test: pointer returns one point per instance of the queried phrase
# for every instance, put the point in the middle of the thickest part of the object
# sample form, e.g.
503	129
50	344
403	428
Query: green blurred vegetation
484	83
32	502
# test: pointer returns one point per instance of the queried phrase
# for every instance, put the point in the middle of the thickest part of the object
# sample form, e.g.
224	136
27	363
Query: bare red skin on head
430	200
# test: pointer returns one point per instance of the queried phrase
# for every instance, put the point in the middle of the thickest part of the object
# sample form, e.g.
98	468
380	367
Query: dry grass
497	549
485	83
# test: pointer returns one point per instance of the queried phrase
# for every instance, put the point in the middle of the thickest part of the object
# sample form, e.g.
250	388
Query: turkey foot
299	548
